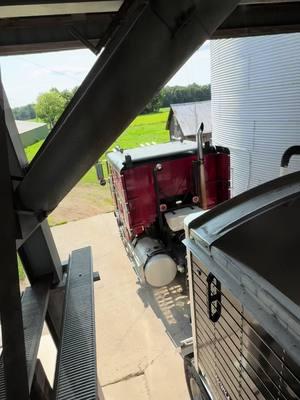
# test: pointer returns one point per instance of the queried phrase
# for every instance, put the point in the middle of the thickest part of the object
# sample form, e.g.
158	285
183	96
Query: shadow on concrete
171	305
100	392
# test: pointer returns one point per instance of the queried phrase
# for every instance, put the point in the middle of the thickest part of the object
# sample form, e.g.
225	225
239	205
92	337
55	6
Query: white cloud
26	76
69	69
195	70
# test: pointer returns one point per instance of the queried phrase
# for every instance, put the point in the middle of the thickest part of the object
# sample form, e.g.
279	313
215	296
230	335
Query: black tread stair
76	371
34	305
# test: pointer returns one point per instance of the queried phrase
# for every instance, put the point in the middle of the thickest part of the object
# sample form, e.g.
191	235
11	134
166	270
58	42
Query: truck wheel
194	382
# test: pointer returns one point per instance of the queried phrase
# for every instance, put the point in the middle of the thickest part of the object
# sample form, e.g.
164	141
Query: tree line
48	108
178	94
51	104
184	94
24	112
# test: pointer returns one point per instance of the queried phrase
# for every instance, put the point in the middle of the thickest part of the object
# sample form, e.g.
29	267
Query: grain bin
256	104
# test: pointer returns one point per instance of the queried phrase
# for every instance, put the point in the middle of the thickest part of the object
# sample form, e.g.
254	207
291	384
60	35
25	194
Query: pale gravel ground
85	200
136	358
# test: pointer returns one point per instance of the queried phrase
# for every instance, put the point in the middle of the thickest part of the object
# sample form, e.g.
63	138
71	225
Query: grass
33	149
89	197
20	269
144	129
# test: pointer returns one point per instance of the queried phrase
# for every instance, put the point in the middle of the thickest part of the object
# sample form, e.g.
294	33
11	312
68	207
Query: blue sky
26	76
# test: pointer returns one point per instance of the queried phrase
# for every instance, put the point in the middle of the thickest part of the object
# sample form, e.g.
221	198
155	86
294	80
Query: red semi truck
154	188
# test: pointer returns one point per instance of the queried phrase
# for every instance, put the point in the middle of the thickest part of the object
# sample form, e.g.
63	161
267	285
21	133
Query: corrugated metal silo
256	104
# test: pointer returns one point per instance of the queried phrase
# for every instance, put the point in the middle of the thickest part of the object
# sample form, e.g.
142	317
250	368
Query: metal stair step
34	305
76	370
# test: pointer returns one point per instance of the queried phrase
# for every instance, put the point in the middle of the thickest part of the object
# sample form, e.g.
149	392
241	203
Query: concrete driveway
137	328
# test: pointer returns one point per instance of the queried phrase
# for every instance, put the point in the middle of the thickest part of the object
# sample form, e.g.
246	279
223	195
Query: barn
31	132
185	118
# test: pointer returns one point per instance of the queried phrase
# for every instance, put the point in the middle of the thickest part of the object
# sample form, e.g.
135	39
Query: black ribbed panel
76	372
34	304
236	355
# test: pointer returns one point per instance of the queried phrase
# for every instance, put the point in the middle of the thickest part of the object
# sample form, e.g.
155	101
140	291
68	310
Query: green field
144	129
90	195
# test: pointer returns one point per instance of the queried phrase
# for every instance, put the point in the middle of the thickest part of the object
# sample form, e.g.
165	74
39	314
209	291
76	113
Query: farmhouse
31	132
185	118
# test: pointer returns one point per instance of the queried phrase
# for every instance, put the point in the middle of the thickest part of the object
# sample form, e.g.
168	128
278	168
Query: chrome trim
191	293
251	2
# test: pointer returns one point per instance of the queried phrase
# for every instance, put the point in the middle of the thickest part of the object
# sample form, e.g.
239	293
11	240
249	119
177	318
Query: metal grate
76	372
2	382
34	304
236	355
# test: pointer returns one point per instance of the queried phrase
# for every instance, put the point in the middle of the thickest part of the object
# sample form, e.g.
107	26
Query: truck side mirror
100	173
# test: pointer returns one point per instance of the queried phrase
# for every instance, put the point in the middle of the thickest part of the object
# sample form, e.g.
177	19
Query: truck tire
196	388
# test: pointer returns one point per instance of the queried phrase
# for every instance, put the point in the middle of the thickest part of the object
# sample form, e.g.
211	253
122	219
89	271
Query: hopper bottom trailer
154	188
243	260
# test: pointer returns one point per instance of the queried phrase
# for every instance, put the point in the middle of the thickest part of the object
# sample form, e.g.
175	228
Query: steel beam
160	41
249	2
263	18
50	2
16	154
55	313
38	251
49	33
39	255
13	374
59	8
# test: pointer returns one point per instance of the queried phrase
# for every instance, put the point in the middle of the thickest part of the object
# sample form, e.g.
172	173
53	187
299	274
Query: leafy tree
24	112
154	105
178	94
68	94
184	94
50	106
